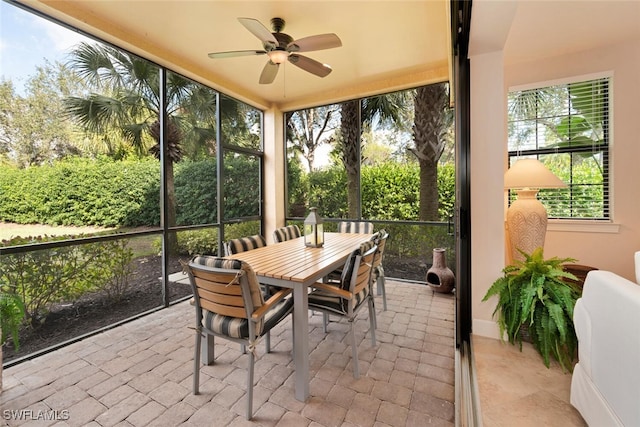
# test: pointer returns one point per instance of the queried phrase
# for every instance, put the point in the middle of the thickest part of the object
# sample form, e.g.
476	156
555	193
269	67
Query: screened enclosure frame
164	230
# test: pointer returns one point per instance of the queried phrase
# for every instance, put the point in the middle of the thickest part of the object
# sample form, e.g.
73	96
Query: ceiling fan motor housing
283	39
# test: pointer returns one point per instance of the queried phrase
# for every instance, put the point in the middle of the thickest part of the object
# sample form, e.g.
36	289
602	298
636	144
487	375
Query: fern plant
533	293
11	317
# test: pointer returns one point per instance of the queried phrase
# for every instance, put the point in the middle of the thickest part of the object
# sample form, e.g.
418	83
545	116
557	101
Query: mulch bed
94	311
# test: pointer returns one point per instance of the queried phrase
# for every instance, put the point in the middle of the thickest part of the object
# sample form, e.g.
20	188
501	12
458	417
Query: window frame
575	223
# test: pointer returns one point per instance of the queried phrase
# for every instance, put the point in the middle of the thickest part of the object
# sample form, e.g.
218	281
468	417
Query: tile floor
516	389
140	374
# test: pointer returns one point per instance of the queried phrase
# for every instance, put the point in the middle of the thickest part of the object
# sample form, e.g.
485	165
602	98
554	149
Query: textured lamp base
526	223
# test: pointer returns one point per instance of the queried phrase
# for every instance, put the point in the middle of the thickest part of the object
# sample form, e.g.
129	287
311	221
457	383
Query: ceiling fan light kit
278	56
280	47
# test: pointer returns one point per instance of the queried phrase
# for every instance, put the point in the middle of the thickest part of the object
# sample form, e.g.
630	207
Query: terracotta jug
439	276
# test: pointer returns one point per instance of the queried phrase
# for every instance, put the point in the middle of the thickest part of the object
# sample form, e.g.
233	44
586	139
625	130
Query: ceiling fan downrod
277	24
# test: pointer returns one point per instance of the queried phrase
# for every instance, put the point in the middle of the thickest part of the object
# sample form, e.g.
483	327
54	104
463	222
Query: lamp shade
531	173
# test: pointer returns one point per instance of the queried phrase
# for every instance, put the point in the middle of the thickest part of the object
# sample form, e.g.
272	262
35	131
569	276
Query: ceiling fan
280	47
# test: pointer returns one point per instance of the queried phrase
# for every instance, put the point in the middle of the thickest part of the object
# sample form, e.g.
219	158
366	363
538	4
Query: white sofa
605	387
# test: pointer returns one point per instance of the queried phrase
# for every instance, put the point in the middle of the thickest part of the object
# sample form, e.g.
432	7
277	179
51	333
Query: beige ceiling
526	30
386	45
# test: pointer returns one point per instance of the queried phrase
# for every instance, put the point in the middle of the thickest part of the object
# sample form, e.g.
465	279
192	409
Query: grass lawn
141	245
9	230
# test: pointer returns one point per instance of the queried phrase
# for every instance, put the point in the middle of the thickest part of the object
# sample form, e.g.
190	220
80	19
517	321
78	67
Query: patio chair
235	246
380	238
283	234
229	305
243	244
346	298
355	227
349	227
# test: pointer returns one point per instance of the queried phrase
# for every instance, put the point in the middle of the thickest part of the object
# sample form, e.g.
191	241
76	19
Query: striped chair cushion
235	264
243	244
343	274
366	246
380	239
347	270
324	300
283	234
239	328
355	227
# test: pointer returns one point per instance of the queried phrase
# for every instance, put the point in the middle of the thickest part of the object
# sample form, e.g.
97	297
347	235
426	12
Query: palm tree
126	101
432	119
386	108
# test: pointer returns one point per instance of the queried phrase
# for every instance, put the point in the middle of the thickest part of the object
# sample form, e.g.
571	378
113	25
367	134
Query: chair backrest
243	244
286	233
380	239
355	227
225	286
356	274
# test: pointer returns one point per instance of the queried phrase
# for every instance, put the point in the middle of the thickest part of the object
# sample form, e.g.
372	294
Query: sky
26	40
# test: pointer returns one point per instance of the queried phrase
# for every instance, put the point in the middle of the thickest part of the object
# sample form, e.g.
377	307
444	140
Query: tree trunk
431	103
172	238
428	204
350	129
174	154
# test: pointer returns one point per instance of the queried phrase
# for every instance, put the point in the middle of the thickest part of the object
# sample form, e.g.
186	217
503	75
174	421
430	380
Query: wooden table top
292	261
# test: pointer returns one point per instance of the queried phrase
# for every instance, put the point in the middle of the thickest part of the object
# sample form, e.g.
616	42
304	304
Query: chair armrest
334	290
272	301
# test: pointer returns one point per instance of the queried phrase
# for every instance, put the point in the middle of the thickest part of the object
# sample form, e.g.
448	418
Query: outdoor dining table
291	264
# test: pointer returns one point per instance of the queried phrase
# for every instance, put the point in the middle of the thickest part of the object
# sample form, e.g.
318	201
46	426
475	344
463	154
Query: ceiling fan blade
310	65
269	73
260	31
318	42
233	53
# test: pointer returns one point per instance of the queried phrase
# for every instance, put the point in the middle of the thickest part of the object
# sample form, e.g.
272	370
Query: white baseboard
486	328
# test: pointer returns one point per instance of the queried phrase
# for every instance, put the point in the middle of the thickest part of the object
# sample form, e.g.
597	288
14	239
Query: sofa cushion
606	378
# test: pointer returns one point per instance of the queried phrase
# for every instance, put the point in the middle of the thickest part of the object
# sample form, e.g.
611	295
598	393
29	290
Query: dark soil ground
92	312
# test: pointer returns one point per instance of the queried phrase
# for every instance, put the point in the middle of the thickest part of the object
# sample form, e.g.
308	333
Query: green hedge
126	193
80	192
389	191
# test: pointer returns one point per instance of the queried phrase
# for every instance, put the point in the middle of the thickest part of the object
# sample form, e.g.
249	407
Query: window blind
566	126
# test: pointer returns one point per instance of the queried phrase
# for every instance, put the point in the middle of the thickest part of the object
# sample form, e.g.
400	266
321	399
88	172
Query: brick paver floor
140	374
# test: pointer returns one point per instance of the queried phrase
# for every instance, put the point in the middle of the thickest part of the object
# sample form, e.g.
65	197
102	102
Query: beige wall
608	247
274	167
488	130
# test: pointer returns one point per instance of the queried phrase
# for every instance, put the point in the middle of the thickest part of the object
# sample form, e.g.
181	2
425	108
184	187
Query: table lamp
313	230
527	217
